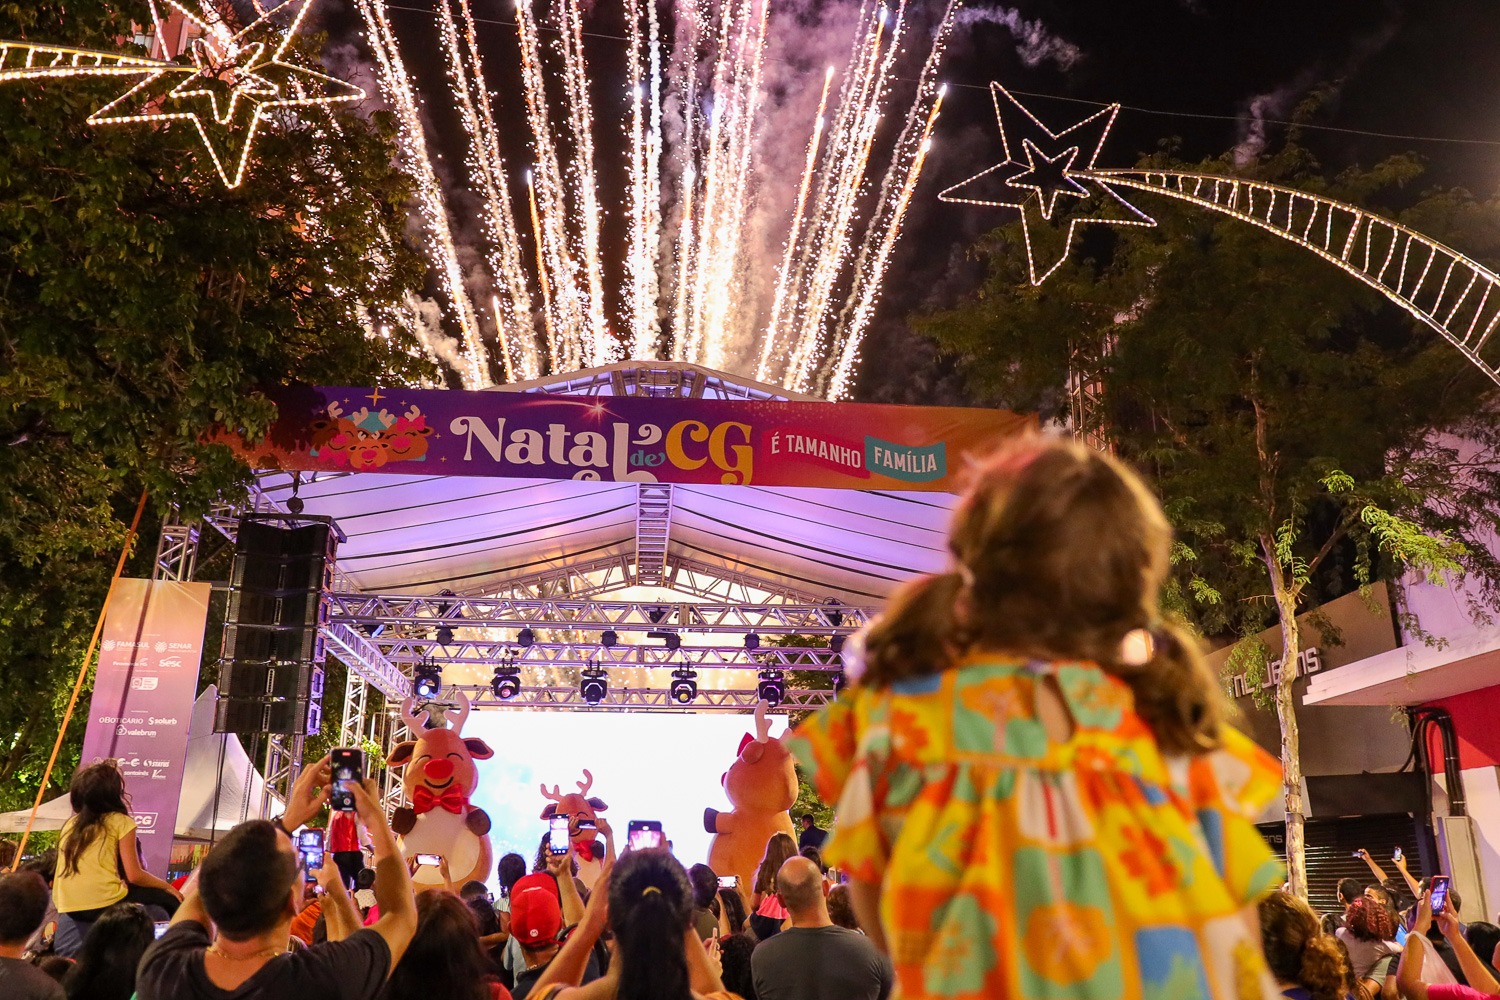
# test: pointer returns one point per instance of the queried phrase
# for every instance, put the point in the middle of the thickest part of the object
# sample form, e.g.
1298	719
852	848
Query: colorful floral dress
1012	866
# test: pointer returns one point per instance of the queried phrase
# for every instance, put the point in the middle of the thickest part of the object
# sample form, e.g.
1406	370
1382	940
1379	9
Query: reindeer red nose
438	769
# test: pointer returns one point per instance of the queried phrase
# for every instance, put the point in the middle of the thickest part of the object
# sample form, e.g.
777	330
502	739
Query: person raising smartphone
250	888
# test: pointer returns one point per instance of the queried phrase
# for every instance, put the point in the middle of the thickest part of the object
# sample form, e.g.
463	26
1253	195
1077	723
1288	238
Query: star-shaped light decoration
1048	168
234	82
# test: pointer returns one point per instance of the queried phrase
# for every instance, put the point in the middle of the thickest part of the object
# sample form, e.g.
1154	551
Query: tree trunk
1291	737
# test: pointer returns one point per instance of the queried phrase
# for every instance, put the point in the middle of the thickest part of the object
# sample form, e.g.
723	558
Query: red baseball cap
535	911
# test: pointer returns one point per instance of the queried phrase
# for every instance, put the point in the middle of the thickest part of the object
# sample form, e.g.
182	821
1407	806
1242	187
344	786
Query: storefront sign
151	646
628	438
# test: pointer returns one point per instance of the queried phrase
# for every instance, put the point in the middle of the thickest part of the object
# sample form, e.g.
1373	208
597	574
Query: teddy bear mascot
762	787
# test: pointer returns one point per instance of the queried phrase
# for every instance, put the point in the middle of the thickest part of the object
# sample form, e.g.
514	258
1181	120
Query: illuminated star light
1047	169
251	75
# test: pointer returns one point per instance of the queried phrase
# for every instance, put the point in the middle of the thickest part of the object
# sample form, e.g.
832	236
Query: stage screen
646	765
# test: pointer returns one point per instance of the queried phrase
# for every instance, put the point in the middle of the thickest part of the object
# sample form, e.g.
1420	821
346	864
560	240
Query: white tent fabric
236	784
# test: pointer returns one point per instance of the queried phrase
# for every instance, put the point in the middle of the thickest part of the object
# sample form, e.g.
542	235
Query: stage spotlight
594	686
835	617
672	639
836	645
656	614
525	637
609	639
427	679
752	641
444	635
772	688
506	683
684	686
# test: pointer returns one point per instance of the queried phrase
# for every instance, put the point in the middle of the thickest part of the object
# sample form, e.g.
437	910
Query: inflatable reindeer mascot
577	807
440	777
762	786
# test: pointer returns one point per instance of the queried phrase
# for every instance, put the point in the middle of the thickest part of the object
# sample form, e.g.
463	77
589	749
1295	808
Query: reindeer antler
412	722
762	724
555	795
586	784
463	713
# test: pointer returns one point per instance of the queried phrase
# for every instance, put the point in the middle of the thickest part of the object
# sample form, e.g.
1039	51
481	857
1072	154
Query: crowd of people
1037	796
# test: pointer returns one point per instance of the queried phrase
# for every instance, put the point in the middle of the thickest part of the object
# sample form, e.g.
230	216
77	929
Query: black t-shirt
23	981
820	963
352	969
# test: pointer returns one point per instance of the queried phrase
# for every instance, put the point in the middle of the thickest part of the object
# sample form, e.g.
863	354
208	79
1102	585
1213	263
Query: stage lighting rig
444	636
506	683
594	685
752	641
525	638
672	639
609	638
684	686
834	616
772	687
836	645
426	679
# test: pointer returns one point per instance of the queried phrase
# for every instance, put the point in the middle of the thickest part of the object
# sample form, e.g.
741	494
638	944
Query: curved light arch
1444	289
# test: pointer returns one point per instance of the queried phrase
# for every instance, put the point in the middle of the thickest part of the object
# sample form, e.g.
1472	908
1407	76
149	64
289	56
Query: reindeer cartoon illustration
440	776
762	786
577	807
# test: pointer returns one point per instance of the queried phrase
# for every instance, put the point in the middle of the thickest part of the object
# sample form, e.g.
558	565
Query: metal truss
653	529
596	615
1455	296
647	700
658	379
490	653
367	659
176	551
356	706
575	580
719	583
283	762
1086	363
390	729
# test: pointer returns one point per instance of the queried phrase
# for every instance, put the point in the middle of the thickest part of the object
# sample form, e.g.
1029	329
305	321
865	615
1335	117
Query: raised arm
1375	869
864	897
1412	884
339	912
393	891
572	961
1475	971
609	839
561	867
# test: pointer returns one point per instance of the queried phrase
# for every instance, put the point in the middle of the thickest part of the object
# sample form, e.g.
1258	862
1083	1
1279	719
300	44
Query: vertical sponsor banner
143	699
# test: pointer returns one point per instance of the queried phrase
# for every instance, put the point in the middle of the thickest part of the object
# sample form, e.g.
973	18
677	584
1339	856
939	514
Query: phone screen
557	840
1397	855
161	927
1439	893
431	860
729	881
644	835
310	846
348	766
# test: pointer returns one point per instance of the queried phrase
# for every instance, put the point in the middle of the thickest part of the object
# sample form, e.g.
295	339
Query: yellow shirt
97	882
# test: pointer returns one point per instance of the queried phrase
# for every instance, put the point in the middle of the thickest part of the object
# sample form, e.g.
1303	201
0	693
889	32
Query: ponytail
918	633
650	909
1298	951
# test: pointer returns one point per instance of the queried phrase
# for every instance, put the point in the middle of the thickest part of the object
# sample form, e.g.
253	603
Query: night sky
1412	68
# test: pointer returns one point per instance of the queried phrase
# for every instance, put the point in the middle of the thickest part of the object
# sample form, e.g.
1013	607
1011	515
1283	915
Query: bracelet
278	824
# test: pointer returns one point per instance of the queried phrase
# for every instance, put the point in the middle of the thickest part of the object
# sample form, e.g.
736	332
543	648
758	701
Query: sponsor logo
169	663
144	683
160	646
146	821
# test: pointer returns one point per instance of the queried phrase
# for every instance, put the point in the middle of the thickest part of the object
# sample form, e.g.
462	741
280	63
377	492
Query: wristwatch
278	824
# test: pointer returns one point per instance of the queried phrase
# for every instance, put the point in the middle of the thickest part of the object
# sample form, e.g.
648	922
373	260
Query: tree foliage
142	304
1306	437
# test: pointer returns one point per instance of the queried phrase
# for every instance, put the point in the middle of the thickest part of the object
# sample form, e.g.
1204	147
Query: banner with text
440	432
143	699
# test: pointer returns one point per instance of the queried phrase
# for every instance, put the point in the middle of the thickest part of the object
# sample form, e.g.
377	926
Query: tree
1303	434
141	304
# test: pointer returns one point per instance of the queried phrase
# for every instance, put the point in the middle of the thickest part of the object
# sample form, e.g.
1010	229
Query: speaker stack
270	670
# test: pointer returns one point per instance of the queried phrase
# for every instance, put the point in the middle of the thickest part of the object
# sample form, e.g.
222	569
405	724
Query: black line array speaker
270	677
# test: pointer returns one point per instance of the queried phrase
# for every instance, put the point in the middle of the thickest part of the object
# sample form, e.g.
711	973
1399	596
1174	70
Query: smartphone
310	846
430	860
161	927
587	824
1439	897
644	835
557	838
729	881
1396	855
348	765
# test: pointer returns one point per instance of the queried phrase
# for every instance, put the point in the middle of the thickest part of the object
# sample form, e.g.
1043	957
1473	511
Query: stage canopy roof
715	540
